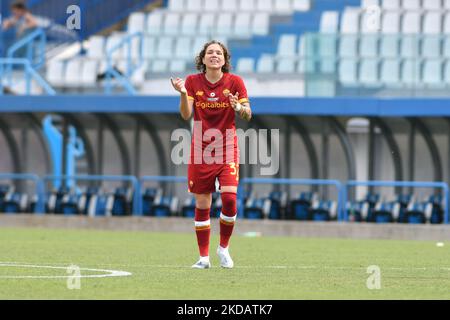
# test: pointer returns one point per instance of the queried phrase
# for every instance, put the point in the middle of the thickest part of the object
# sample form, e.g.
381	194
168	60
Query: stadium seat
212	5
183	48
72	76
409	46
194	5
446	25
329	22
164	46
136	22
248	6
370	21
432	23
446	74
368	74
96	47
188	209
70	205
89	73
431	46
323	210
245	65
264	5
348	72
437	211
383	212
260	24
411	4
283	6
368	47
207	24
301	5
149	47
155	23
432	73
159	66
390	72
112	41
390	4
216	207
415	213
411	72
224	25
56	72
350	21
265	64
172	23
229	5
242	25
148	197
122	202
199	42
287	46
299	208
286	65
411	23
432	4
14	202
348	46
389	46
189	24
165	206
278	201
257	208
390	22
177	5
368	3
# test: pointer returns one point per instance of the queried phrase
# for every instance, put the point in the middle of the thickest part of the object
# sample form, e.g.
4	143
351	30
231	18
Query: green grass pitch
265	267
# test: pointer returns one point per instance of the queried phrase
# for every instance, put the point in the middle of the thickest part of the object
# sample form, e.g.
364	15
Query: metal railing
6	73
34	45
126	45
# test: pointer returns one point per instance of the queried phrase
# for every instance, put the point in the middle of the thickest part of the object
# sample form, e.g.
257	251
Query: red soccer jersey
212	105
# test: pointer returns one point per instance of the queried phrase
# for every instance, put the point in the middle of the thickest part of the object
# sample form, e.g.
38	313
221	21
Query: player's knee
203	201
229	207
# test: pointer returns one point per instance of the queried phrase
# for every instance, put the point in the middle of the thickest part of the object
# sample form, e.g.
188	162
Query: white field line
107	273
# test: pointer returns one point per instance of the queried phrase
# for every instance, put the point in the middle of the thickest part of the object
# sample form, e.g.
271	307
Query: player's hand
234	101
178	85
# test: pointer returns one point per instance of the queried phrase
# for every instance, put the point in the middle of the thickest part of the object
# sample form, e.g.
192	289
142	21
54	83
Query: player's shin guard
227	217
202	230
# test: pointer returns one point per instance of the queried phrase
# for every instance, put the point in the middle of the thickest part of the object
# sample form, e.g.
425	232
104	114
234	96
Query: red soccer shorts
202	177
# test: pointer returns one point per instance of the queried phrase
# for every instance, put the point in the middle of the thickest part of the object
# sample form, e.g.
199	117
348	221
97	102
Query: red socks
227	217
203	230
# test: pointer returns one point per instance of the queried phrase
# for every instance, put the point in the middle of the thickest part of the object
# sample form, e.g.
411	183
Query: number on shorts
235	171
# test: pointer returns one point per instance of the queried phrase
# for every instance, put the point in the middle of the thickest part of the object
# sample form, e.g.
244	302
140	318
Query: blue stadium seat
278	201
188	209
216	207
415	213
299	207
384	212
70	204
323	210
148	198
257	208
14	202
122	202
165	206
55	200
437	211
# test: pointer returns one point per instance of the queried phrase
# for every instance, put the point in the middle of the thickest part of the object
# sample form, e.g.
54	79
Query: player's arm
243	109
31	21
8	23
186	102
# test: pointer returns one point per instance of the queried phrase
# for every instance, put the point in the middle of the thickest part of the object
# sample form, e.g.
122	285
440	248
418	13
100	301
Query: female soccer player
213	97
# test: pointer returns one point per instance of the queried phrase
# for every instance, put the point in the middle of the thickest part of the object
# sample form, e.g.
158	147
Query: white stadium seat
55	72
136	22
446	26
154	23
287	45
368	73
229	5
264	5
224	25
348	70
410	72
446	73
329	22
261	24
390	22
172	23
286	65
390	4
199	42
245	65
411	4
446	47
248	5
183	48
390	72
409	46
265	64
369	3
432	22
177	5
89	73
432	73
177	66
369	46
207	23
348	46
389	46
189	24
212	5
159	66
242	25
431	46
73	73
350	21
194	5
112	41
432	4
149	47
164	47
96	47
370	21
301	5
283	6
411	22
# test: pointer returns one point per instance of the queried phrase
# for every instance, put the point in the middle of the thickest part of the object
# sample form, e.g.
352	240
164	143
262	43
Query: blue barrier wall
392	107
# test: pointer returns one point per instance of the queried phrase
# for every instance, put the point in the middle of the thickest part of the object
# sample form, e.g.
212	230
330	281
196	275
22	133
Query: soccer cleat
202	263
225	258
